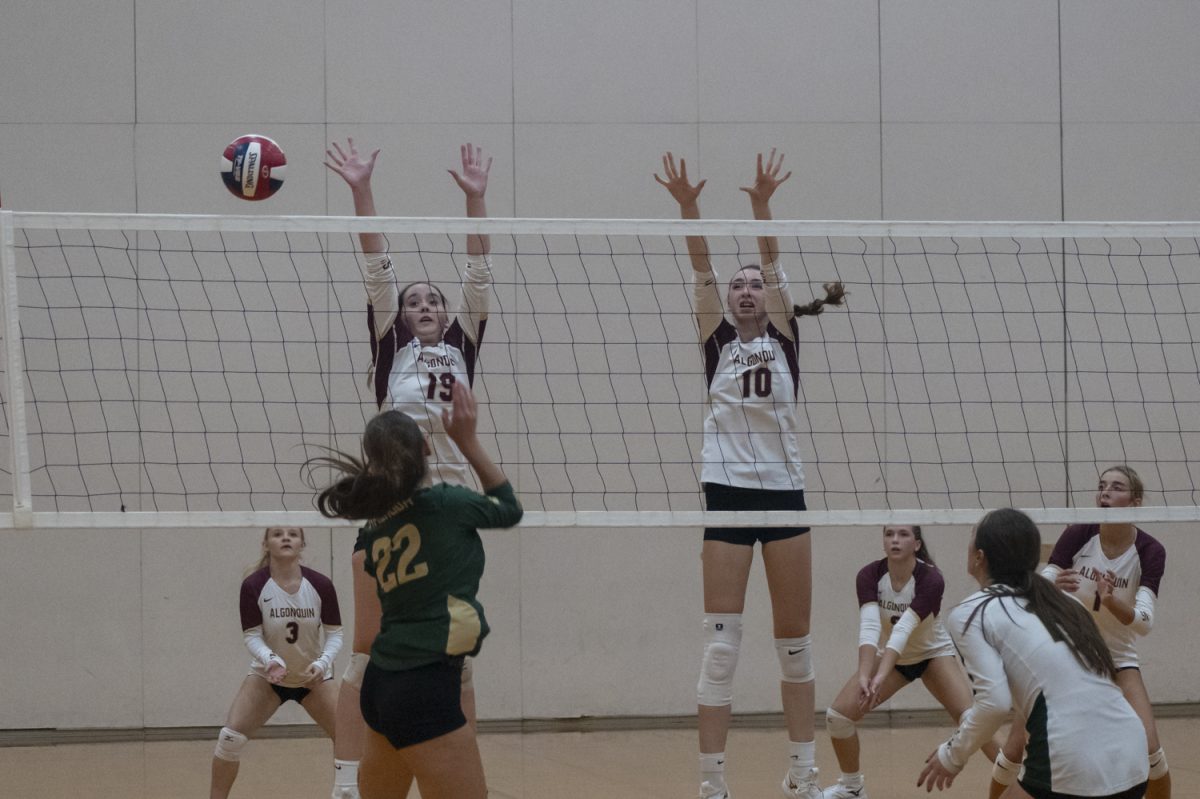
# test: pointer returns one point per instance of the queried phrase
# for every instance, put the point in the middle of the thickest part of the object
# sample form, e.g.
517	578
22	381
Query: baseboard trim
878	719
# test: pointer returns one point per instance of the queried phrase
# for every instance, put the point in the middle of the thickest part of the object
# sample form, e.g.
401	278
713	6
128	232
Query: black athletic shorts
913	671
723	497
1136	792
285	695
415	705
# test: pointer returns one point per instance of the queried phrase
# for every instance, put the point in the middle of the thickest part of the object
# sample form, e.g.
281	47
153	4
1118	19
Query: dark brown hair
835	294
391	469
923	553
1012	544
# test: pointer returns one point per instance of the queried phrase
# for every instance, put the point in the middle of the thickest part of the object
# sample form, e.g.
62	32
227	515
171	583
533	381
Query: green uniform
427	558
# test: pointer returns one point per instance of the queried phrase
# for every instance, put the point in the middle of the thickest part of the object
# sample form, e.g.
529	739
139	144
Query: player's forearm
364	205
888	661
490	475
1120	610
477	244
697	245
768	246
866	661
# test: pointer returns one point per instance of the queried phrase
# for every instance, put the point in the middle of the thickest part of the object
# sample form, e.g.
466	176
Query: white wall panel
978	171
782	61
616	62
1130	62
67	167
74	659
969	61
67	61
1132	171
419	62
230	60
602	171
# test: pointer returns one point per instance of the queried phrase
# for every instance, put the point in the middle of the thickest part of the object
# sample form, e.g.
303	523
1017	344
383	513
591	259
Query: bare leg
1131	684
446	767
254	704
789	578
948	684
846	703
384	773
726	573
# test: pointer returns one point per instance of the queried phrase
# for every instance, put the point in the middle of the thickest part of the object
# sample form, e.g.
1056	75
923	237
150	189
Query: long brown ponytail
391	470
835	294
1012	544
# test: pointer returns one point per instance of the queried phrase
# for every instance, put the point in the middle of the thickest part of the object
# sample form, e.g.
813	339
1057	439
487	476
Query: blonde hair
1137	489
266	555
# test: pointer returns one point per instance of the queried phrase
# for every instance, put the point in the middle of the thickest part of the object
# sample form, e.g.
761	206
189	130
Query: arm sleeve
383	295
1143	611
706	299
476	295
780	308
901	630
1068	544
993	699
1153	556
258	647
928	589
869	627
1050	571
333	645
498	508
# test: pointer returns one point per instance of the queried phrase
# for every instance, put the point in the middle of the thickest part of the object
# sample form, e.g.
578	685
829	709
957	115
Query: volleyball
253	167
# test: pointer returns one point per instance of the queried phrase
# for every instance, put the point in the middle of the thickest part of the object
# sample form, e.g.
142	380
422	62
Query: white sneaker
806	788
839	790
710	791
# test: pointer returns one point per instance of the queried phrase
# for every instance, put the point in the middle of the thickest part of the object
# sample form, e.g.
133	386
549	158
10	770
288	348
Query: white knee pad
229	745
1004	771
723	636
838	725
1158	764
795	658
354	672
468	672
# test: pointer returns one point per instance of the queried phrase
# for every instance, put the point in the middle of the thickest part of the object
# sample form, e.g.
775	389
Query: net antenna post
14	374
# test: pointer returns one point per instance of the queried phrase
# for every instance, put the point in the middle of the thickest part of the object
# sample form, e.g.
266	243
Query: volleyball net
179	370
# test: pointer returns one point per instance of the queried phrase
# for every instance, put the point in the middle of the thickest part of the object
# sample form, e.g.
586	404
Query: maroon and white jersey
417	379
295	629
1139	571
904	620
750	429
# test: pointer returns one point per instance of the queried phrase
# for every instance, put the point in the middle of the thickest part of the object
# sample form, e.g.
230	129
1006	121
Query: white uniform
1139	571
417	379
750	429
288	628
1084	738
921	636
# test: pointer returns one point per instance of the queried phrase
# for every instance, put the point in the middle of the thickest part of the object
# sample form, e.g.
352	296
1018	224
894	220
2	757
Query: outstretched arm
766	180
356	172
459	422
473	181
688	197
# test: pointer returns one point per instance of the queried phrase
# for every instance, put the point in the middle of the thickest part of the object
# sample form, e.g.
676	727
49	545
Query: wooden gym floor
603	764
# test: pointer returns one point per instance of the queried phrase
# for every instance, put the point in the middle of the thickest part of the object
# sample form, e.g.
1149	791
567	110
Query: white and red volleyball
253	167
